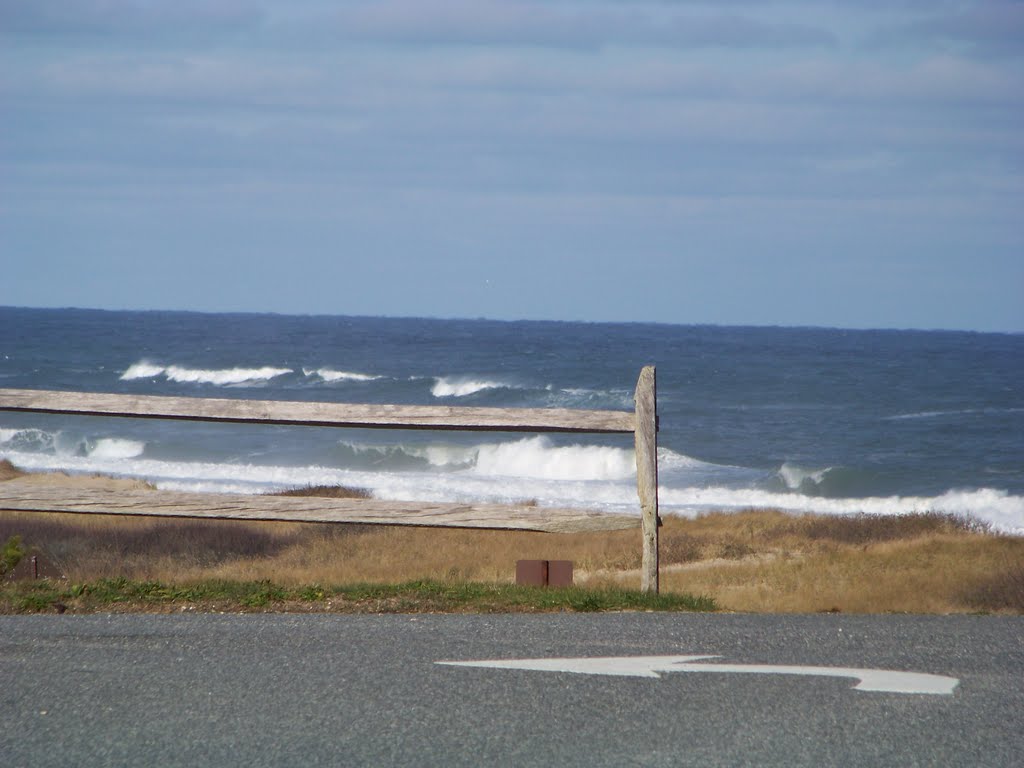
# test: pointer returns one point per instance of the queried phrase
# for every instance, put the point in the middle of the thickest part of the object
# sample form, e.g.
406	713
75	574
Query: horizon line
466	318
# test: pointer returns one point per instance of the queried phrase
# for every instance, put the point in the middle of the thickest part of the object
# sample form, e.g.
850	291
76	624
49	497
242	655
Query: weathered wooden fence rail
642	423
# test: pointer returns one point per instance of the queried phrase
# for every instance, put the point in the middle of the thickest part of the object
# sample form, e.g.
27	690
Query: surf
219	377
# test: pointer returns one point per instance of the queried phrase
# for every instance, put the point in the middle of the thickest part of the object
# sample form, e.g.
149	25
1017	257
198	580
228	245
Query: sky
843	164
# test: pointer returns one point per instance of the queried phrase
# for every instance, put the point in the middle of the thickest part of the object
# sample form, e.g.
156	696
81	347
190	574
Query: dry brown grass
87	547
327	491
759	560
768	561
931	574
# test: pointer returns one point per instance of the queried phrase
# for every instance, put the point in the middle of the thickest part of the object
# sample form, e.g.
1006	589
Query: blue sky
850	164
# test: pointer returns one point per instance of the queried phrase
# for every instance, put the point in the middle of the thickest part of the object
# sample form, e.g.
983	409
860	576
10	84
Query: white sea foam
30	444
221	477
331	376
455	386
142	370
924	415
220	377
463	386
537	457
960	412
222	486
1002	511
795	477
112	448
27	439
669	460
388	457
574	476
598	477
447	455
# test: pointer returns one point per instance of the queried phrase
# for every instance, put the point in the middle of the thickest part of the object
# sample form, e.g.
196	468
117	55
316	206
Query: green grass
47	596
10	554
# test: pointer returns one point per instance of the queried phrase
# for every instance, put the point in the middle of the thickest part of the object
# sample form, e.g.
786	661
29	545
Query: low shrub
327	491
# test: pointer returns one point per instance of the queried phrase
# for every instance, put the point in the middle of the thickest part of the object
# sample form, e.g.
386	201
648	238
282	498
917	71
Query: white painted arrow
883	680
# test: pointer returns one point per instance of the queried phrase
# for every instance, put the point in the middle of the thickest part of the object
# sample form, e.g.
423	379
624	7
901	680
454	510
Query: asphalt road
310	690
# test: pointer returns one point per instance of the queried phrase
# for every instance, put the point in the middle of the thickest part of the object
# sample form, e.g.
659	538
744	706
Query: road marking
881	680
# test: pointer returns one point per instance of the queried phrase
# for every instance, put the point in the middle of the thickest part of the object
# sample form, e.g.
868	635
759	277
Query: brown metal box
544	573
532	573
559	573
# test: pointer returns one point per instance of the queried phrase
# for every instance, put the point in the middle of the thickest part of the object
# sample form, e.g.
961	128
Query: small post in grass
646	436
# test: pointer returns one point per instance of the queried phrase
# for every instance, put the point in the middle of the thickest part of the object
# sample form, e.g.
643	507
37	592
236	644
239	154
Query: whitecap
447	456
217	376
30	439
112	448
450	386
330	376
959	412
223	377
925	415
796	477
142	370
536	457
590	477
1003	512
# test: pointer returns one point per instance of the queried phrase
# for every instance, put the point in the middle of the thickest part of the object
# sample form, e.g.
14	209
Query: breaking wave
800	479
537	457
536	468
115	448
545	395
1002	511
218	377
64	445
391	458
501	391
142	370
455	386
27	439
331	376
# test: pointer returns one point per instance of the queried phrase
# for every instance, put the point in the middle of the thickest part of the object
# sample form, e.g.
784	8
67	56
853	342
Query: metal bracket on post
646	436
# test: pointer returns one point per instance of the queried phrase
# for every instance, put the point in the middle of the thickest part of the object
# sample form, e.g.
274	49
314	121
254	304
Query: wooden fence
643	423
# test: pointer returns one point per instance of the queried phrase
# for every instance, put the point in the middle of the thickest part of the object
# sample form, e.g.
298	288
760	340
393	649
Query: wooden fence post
647	474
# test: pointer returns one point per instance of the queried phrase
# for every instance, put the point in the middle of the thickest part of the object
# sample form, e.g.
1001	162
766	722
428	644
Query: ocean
799	419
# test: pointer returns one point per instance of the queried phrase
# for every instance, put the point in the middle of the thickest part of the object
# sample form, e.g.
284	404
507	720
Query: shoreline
997	508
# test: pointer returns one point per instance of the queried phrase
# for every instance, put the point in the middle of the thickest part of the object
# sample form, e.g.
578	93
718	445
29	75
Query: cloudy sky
851	164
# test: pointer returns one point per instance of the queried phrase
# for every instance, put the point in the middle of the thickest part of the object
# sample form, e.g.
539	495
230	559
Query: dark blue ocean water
798	418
